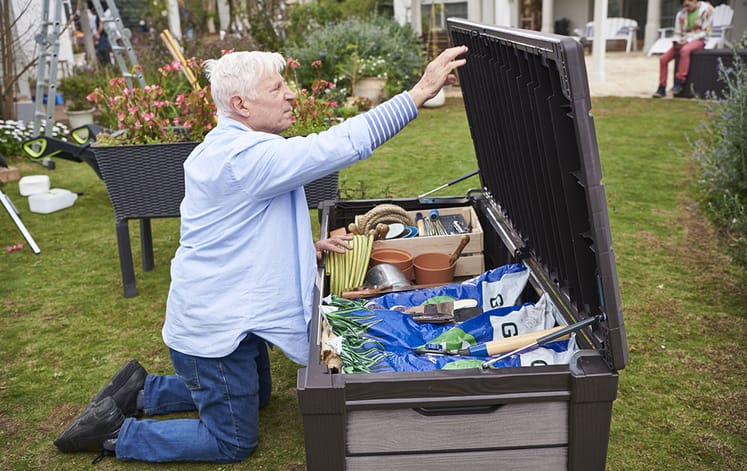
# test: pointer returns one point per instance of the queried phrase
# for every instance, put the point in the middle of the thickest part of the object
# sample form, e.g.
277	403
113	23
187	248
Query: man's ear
239	106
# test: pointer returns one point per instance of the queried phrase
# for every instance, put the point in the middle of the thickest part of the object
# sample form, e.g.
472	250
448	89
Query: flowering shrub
314	110
374	67
14	133
170	111
721	153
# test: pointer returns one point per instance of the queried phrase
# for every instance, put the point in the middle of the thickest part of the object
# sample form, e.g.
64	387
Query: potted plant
368	76
169	111
75	90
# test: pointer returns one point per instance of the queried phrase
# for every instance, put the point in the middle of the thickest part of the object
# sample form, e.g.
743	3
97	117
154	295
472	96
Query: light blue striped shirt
246	260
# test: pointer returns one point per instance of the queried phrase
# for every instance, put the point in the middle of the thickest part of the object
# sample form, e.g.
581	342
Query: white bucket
33	184
51	201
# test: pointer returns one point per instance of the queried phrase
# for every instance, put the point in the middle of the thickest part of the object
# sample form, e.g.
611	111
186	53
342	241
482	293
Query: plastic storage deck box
542	204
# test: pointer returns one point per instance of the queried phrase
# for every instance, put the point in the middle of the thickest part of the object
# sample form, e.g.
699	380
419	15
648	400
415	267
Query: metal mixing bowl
385	274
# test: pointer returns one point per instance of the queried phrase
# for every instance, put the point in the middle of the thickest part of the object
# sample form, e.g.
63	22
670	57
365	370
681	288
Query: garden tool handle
420	224
364	292
569	329
369	292
496	347
458	251
456	180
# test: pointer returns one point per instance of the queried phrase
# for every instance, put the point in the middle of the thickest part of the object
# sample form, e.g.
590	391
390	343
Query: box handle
457	410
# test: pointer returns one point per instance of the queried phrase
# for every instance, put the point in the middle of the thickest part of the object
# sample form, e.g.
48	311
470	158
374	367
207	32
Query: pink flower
293	63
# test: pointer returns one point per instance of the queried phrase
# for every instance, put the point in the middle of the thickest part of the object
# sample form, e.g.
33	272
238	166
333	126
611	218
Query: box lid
528	105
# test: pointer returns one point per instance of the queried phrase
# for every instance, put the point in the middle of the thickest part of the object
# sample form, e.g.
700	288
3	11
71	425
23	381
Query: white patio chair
614	28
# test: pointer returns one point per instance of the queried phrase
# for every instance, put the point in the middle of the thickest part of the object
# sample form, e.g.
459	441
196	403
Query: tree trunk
7	110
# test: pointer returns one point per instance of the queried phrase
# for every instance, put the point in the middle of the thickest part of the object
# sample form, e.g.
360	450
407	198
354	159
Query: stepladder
119	38
48	40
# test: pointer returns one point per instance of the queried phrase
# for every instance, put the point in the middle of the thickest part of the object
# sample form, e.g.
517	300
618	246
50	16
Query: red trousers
684	64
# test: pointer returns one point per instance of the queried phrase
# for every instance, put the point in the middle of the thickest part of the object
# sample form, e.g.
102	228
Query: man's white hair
239	73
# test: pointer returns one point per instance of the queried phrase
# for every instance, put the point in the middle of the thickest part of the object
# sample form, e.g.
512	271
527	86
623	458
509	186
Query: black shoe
123	388
88	432
678	87
660	92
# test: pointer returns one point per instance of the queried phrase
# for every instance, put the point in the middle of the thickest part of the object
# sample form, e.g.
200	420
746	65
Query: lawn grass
67	328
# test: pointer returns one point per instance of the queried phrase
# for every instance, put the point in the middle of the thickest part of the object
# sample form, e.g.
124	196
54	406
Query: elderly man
243	275
692	26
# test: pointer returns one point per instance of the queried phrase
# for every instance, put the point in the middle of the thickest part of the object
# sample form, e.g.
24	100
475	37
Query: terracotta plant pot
433	268
400	258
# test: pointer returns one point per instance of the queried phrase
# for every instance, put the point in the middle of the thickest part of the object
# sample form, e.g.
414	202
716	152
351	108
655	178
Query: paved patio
634	74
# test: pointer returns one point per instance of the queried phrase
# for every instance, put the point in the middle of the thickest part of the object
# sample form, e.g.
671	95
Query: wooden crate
470	263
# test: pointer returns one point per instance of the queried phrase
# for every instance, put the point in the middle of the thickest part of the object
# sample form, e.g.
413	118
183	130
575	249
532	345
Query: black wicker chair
147	181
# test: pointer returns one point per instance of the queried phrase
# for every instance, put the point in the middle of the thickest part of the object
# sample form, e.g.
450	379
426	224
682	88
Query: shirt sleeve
679	22
706	24
390	117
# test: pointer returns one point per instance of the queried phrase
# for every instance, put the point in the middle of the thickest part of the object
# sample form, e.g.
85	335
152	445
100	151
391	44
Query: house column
415	16
548	16
504	12
653	23
599	47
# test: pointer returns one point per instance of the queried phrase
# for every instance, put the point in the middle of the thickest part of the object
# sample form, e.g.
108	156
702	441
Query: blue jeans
226	392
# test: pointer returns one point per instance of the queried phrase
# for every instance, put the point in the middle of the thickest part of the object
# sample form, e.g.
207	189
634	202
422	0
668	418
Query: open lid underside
527	101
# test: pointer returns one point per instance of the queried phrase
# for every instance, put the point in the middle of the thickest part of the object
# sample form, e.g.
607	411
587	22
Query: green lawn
67	328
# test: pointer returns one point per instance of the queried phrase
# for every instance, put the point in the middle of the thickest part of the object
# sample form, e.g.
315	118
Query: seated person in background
692	26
